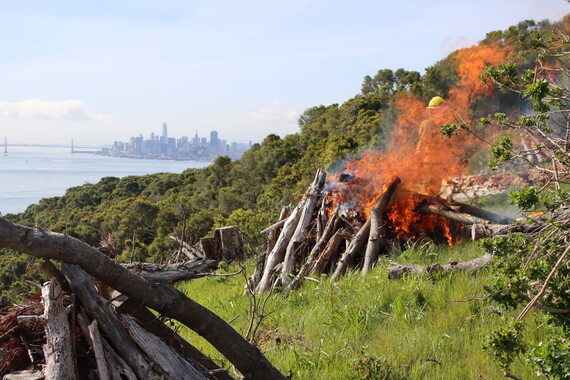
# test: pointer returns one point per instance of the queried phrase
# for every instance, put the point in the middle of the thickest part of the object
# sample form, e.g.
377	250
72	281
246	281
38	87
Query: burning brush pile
334	227
389	196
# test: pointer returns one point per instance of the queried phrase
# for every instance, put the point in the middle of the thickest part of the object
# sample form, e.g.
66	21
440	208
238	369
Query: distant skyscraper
214	142
164	130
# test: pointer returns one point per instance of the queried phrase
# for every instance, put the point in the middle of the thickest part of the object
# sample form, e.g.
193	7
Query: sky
103	71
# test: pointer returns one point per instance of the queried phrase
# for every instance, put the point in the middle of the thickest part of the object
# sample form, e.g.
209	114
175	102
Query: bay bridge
72	145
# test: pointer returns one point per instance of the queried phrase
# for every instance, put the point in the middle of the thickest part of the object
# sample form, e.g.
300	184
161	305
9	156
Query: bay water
28	174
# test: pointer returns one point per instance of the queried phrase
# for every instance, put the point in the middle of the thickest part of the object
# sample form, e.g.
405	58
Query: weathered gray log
163	298
314	254
98	351
171	364
300	234
272	227
25	375
190	252
99	309
58	350
118	368
377	229
355	245
424	207
399	270
330	249
277	254
172	273
155	326
273	234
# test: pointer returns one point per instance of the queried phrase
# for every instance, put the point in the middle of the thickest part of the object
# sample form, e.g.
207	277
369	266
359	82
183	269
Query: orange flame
418	153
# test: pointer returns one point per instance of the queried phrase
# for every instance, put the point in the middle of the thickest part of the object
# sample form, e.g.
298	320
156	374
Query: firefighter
422	144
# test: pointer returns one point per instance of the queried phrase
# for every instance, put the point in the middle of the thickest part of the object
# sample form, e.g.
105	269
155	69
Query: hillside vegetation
364	327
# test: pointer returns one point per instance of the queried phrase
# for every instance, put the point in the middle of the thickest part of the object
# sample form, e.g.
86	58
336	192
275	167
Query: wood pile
318	237
72	332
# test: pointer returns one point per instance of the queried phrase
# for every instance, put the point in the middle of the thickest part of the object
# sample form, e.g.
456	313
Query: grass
371	327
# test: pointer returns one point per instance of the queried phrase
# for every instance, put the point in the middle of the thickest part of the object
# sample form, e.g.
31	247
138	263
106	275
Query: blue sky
103	71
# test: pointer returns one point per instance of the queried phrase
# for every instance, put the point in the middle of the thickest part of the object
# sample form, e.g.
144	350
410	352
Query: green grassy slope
372	327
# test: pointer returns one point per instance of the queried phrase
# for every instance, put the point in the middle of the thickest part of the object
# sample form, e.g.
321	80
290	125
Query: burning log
425	207
377	228
398	271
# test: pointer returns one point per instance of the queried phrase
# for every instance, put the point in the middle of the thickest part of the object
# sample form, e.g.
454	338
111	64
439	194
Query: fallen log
377	228
163	298
171	273
400	270
483	214
425	207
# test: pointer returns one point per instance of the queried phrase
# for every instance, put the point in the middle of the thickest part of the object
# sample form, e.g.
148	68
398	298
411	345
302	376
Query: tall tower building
214	142
164	130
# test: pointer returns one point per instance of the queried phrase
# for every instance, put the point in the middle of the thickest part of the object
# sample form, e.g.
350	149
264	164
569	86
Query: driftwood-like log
483	214
190	252
314	255
163	298
58	350
277	254
273	234
301	230
172	273
398	271
171	364
355	245
98	351
377	229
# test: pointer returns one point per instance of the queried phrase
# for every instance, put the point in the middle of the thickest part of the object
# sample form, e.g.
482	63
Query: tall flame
418	153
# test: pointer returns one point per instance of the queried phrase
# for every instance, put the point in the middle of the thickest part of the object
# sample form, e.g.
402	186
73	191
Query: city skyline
183	147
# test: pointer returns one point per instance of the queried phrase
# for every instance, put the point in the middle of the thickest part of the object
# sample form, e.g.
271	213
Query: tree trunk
230	242
377	229
483	214
162	298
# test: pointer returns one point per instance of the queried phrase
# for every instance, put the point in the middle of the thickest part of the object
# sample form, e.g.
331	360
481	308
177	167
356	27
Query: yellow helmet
435	102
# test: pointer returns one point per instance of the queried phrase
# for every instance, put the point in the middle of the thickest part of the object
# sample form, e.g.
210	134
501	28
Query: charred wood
377	228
